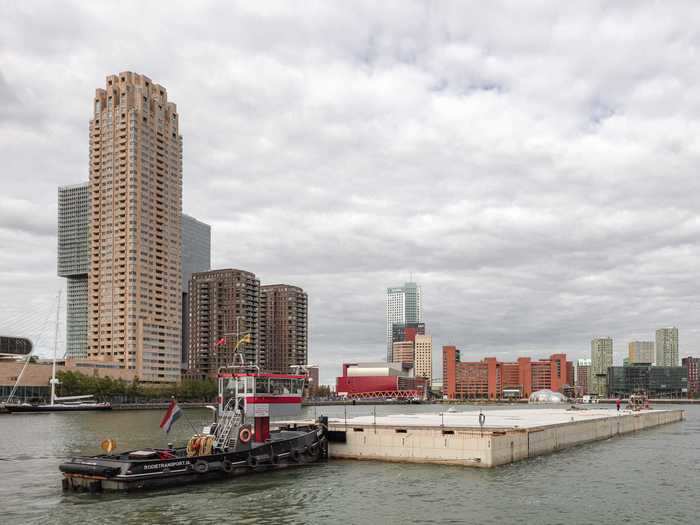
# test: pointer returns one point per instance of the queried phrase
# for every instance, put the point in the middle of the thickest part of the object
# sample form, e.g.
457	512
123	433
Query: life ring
227	466
201	466
244	435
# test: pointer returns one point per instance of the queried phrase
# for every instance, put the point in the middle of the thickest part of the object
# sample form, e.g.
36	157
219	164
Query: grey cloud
534	166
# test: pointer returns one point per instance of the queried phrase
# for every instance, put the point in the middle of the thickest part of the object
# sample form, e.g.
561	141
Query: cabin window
280	386
262	385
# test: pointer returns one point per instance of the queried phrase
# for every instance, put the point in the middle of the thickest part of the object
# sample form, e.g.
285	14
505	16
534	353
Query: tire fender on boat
200	466
295	454
252	460
227	466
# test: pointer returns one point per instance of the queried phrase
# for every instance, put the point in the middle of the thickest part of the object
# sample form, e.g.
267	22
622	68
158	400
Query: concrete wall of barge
490	448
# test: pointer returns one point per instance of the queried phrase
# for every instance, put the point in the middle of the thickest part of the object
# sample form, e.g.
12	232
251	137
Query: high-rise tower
601	360
223	308
74	262
404	305
667	346
283	327
134	284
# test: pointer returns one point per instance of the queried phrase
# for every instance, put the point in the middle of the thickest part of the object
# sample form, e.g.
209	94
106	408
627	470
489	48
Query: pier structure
483	439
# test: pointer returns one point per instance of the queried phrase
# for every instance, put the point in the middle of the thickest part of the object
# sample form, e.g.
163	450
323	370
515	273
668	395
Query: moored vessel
239	441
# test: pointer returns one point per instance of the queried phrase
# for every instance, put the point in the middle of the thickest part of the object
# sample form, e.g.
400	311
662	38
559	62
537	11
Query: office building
493	379
283	327
601	360
223	308
424	357
196	257
640	352
73	256
403	352
582	374
692	365
404	305
134	282
667	347
653	381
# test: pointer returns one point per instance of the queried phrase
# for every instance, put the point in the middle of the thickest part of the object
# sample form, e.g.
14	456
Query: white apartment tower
134	283
403	305
667	347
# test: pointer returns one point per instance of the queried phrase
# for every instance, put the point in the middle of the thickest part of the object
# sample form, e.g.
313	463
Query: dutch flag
171	415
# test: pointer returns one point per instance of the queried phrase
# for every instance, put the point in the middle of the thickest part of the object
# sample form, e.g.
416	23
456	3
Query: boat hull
287	448
56	408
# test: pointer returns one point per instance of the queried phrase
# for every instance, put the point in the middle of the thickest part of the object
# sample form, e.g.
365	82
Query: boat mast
54	381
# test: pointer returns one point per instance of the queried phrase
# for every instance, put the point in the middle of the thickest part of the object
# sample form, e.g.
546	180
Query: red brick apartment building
493	379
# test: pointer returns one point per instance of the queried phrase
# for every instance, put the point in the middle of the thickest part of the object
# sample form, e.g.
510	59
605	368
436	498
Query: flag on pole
171	415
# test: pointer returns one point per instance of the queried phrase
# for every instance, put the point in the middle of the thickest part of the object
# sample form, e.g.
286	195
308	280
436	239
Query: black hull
45	409
288	448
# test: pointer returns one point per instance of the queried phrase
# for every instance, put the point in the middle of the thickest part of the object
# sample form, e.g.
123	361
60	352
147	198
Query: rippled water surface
649	477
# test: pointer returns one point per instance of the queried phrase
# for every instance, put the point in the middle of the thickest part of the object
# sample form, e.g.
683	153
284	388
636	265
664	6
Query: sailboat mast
55	350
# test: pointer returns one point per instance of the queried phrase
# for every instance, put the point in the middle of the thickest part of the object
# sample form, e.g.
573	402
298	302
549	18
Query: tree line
106	388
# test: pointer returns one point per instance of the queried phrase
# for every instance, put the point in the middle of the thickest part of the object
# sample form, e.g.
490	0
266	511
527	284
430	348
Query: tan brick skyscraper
134	284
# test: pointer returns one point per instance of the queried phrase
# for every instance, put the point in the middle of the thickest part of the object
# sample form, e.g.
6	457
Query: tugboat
239	441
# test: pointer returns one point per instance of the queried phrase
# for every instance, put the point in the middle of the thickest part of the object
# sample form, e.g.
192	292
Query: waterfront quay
477	439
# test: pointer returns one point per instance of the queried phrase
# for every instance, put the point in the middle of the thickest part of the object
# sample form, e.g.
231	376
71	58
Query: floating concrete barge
456	438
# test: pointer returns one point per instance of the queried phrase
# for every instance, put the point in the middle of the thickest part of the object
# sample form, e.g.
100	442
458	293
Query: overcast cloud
533	164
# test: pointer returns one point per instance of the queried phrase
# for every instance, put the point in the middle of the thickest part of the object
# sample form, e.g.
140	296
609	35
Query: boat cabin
267	395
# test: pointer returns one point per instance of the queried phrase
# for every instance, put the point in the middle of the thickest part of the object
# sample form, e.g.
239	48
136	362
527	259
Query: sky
533	165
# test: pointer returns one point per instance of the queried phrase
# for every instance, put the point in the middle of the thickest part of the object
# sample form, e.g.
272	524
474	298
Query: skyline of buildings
128	252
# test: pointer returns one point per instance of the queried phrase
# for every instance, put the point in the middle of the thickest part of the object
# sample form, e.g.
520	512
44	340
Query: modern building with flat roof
667	346
283	327
601	360
640	352
490	378
73	258
424	357
404	305
196	257
223	308
653	381
692	364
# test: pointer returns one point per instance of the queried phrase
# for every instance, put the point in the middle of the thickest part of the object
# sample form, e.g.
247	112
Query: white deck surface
520	418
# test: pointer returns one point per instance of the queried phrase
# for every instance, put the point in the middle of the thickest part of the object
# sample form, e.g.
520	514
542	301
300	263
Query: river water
649	477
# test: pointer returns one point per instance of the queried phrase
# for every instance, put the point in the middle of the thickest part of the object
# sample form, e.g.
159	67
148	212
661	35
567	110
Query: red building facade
490	378
693	366
378	380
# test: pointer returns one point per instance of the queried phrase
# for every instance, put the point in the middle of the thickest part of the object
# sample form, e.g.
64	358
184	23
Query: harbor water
646	477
